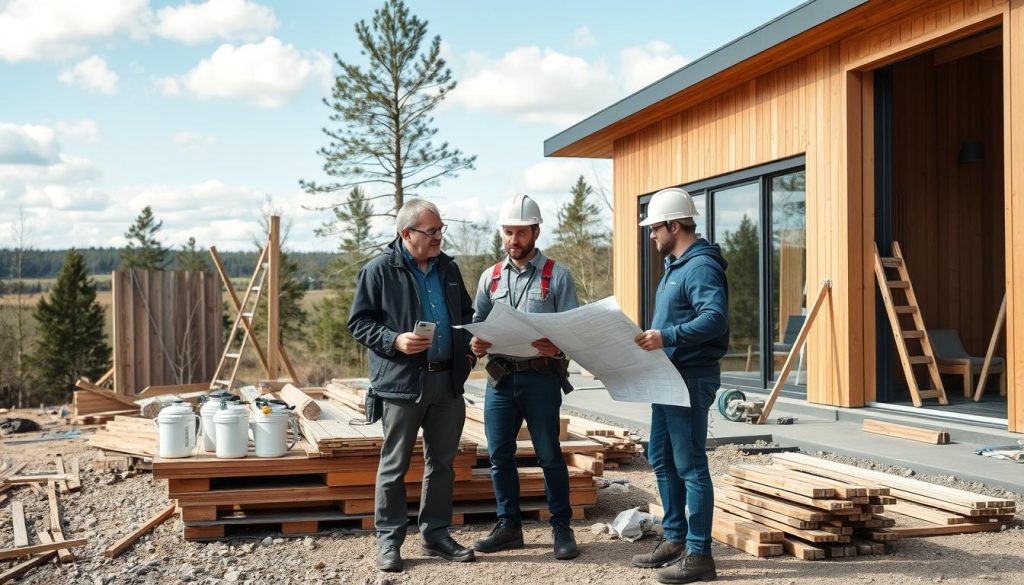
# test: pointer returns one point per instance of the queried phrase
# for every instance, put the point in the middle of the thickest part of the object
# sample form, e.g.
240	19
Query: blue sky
203	109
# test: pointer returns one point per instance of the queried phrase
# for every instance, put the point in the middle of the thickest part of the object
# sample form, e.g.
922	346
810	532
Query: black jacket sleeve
366	321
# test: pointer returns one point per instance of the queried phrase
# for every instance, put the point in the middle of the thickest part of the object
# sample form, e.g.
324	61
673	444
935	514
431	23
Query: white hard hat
668	205
520	210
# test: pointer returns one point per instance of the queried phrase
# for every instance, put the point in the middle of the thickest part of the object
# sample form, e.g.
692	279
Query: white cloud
92	75
66	198
557	176
582	37
58	29
267	74
648	63
538	85
28	145
546	86
215	19
87	130
193	140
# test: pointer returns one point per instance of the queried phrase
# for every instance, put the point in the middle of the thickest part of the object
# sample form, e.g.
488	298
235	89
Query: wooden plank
747	546
820	503
273	285
18	518
64	553
24	551
746	528
802	550
912	532
129	539
906	432
20	569
305	406
753	473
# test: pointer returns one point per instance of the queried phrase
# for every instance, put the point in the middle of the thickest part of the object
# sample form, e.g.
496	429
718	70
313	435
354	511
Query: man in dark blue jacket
419	379
691	325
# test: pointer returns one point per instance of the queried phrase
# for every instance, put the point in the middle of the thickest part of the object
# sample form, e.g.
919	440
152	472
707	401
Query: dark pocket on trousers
702	392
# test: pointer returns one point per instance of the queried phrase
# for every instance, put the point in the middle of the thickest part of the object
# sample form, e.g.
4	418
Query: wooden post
794	352
996	331
274	298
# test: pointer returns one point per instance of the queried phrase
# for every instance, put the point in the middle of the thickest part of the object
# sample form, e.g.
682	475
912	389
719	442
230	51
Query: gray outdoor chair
952	358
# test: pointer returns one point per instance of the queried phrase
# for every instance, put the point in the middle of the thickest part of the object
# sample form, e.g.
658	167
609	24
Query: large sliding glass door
758	218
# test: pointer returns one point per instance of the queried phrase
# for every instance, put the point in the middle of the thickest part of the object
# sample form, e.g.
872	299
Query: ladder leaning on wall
903	337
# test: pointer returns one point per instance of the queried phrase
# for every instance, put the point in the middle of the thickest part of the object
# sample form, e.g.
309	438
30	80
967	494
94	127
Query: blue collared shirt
435	307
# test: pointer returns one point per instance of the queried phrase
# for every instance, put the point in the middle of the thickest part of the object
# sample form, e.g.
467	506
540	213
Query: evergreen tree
383	128
330	339
72	337
191	259
582	244
740	248
497	248
144	251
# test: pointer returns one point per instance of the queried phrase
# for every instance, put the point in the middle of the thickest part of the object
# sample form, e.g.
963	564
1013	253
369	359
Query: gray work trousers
441	413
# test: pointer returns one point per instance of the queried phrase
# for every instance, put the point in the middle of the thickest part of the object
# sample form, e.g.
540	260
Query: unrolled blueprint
600	337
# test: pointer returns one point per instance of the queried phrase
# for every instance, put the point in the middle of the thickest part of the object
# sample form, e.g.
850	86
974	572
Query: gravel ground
109	506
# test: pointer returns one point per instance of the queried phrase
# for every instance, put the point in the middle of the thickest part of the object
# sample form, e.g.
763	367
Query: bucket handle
295	430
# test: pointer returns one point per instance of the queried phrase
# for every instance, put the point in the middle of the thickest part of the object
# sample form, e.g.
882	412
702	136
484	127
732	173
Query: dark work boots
564	542
504	536
692	568
664	554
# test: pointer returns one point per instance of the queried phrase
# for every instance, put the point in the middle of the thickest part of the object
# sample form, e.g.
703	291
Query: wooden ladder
240	331
926	357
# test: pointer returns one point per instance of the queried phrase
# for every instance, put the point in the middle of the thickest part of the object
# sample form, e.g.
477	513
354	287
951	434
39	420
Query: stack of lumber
130	435
938	509
65	478
813	509
299	494
578	435
91	404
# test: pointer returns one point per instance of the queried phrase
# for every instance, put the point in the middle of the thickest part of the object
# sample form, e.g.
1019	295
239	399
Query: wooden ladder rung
928	393
233	356
913	334
898	283
906	309
891	262
921	359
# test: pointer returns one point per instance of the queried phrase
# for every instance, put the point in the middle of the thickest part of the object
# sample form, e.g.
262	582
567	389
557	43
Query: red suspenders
545	277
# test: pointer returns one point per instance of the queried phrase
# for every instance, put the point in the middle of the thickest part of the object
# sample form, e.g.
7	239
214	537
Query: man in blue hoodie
691	325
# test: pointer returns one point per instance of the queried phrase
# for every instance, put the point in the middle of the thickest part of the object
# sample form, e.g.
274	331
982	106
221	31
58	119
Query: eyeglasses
657	226
432	232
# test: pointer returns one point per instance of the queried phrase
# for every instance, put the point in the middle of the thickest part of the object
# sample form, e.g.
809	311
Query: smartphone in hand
425	329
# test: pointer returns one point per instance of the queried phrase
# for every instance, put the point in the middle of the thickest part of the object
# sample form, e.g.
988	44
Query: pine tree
191	259
384	130
581	243
740	248
330	339
72	337
497	248
144	251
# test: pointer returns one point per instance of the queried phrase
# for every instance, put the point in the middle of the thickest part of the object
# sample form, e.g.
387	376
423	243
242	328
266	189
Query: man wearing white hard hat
525	388
691	325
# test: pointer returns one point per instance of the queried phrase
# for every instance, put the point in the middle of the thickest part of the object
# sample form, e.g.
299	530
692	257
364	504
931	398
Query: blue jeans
533	396
676	452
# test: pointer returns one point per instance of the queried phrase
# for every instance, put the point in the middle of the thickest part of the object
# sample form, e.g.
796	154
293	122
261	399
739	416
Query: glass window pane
736	220
789	273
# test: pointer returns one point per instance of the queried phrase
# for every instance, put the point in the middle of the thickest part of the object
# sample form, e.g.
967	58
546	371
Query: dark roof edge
784	27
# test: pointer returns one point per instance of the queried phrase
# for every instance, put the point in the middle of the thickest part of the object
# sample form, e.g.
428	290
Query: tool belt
439	366
498	368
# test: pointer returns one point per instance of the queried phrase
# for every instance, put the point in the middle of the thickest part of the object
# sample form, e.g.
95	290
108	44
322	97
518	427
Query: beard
520	253
664	247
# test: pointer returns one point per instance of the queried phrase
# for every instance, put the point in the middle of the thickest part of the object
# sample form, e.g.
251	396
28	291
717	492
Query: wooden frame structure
812	94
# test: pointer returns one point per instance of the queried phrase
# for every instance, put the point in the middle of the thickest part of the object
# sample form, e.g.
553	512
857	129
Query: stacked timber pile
814	509
127	435
327	481
579	436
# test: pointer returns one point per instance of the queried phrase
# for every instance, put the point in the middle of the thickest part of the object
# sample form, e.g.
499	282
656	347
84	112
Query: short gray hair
410	213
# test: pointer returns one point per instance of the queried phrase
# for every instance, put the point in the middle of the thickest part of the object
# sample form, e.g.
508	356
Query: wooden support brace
996	332
791	359
129	539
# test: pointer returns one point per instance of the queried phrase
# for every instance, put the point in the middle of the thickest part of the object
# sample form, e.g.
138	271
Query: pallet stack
814	509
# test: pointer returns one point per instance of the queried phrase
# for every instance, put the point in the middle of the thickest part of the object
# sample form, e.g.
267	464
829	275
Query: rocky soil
110	505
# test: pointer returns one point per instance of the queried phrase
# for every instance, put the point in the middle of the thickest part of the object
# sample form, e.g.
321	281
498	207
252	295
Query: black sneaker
504	536
692	568
664	554
449	550
389	559
564	542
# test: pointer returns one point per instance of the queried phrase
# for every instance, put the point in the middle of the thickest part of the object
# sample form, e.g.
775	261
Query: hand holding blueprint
599	336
